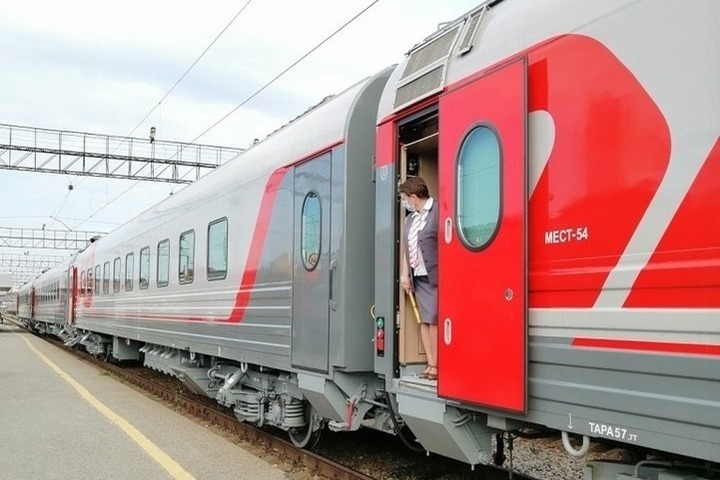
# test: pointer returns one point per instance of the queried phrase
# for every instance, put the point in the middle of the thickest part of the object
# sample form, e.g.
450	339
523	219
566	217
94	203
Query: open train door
482	322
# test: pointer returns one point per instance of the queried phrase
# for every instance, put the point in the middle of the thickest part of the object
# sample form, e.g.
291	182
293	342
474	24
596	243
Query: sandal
425	373
431	375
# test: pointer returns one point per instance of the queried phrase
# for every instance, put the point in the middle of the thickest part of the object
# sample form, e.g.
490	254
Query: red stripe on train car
610	154
648	347
684	270
256	247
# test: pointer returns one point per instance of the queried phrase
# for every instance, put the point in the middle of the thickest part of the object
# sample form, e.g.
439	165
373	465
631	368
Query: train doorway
418	141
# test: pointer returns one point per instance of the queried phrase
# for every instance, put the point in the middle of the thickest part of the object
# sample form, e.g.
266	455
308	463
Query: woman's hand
405	283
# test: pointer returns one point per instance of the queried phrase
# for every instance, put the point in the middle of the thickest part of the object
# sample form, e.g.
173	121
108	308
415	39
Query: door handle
331	280
447	331
448	230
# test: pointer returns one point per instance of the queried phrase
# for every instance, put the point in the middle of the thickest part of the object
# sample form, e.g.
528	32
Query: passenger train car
573	149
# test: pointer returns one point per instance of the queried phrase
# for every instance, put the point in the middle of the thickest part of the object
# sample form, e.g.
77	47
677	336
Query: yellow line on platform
145	443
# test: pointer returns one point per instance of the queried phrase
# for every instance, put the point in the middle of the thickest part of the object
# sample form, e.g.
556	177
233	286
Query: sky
100	67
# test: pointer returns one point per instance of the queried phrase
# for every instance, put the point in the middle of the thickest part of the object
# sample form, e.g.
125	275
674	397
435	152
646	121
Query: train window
98	277
106	278
145	267
116	274
478	187
310	231
163	263
89	281
129	271
82	283
217	254
186	265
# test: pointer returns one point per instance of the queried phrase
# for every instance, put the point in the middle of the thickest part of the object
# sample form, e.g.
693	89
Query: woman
419	265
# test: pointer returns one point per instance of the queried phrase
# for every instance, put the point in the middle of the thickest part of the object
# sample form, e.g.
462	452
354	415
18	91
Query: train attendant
419	266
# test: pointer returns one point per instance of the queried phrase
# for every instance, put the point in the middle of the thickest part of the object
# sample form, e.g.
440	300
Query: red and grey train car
573	149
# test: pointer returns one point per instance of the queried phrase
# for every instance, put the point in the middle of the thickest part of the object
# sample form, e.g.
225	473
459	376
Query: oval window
310	231
478	187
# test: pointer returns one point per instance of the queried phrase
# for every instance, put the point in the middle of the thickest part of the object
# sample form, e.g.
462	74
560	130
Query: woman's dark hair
414	186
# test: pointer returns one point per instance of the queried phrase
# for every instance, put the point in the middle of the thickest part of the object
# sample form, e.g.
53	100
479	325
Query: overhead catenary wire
217	37
292	65
170	90
253	95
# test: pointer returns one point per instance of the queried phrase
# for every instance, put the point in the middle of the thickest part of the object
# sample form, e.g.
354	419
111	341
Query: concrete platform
61	418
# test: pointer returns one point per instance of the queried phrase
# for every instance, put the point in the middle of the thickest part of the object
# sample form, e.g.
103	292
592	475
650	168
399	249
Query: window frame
165	281
98	280
146	252
214	276
106	278
459	228
185	279
303	257
129	272
117	271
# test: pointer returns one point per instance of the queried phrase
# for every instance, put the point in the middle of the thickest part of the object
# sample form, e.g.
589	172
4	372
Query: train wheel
309	435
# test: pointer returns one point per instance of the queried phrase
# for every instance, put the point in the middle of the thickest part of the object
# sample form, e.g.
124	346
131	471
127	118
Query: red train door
482	327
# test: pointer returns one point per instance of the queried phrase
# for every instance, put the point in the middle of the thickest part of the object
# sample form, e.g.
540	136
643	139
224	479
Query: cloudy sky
100	67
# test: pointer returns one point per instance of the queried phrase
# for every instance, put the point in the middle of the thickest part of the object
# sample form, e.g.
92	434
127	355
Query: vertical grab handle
448	230
333	267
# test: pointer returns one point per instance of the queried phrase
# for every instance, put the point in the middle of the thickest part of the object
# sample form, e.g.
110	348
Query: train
573	150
